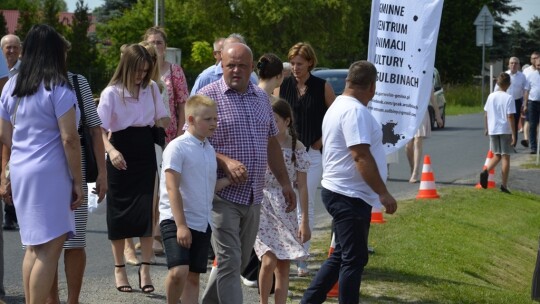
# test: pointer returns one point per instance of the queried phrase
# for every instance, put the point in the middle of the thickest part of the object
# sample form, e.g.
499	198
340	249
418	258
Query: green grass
530	163
463	99
470	246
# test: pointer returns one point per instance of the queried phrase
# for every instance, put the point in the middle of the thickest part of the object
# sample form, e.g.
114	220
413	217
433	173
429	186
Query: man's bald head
237	63
11	47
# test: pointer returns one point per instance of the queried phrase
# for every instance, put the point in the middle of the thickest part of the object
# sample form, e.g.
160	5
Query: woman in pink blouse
175	80
128	108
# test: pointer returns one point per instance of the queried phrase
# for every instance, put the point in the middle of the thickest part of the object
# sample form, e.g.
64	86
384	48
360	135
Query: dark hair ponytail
269	66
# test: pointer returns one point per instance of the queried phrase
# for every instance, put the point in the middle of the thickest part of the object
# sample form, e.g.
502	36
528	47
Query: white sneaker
248	283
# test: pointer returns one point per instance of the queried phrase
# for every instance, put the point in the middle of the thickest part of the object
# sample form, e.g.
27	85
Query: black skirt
130	192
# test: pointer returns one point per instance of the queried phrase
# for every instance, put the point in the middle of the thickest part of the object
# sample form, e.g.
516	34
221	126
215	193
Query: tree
3	25
51	12
28	16
458	57
516	43
83	57
112	9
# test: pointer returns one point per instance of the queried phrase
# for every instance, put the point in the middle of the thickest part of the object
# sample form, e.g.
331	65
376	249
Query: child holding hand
280	237
187	186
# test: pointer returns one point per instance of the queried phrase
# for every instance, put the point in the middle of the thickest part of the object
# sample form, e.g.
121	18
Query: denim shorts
196	256
501	144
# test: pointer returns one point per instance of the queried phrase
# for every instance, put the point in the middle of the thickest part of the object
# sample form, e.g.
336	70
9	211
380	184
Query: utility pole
484	36
159	13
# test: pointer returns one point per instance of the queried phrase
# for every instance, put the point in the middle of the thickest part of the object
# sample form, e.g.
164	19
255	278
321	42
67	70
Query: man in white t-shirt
354	175
532	107
531	68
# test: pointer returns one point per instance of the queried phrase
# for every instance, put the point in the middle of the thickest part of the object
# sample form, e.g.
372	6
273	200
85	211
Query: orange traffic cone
491	177
333	293
377	216
427	183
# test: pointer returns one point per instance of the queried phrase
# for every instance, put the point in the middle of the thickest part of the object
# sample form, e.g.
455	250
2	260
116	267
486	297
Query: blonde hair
197	101
304	50
132	60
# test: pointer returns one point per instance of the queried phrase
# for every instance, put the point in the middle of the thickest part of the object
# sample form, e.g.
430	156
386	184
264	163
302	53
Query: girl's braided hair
284	110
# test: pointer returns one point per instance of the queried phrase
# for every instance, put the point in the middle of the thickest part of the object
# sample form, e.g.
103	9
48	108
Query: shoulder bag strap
79	97
15	112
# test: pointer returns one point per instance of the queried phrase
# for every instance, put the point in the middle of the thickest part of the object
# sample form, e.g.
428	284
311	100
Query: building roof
12	16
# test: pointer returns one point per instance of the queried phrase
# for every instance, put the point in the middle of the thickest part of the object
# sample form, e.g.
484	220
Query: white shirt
518	84
15	69
498	106
196	161
528	70
348	123
534	82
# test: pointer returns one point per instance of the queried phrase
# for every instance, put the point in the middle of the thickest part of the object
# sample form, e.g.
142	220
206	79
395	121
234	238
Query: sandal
123	288
146	288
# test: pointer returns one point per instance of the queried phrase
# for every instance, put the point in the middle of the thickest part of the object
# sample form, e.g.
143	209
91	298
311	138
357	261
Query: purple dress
40	177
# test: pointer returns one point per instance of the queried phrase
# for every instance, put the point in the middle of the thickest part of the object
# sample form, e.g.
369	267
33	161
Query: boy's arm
172	183
513	127
485	124
222	183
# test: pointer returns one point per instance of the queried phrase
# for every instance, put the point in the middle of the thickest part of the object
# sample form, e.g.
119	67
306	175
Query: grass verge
530	163
463	99
470	246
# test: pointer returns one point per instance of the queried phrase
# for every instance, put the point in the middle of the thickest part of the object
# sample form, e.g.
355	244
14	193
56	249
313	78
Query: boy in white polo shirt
499	124
187	186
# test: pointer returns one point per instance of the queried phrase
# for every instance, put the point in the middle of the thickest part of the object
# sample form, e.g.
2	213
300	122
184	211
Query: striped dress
92	119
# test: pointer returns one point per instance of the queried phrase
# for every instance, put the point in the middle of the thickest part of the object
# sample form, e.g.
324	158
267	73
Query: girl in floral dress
280	238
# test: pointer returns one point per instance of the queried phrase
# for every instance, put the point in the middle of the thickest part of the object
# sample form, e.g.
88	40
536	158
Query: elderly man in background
3	79
11	48
518	86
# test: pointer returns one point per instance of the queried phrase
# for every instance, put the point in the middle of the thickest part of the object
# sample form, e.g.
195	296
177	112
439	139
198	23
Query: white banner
402	44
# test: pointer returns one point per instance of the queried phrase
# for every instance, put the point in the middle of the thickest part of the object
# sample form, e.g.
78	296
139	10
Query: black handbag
86	138
159	136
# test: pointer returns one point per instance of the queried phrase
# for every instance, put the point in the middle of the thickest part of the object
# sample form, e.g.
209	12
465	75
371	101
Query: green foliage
83	57
28	16
201	53
458	57
10	4
112	9
51	11
338	34
470	246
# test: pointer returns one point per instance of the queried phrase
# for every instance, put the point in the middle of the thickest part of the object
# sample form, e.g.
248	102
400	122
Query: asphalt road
457	154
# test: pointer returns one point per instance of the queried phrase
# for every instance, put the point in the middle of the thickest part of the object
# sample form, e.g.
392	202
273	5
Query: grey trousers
233	236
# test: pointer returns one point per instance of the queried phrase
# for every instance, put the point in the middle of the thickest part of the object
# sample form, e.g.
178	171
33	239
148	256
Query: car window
337	83
437	86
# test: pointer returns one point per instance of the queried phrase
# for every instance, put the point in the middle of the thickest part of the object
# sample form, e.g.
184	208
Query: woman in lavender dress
38	120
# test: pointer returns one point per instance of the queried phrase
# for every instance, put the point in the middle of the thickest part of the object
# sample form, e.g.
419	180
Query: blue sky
529	8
